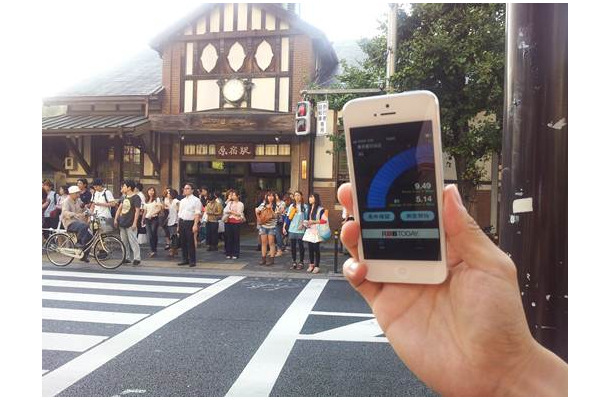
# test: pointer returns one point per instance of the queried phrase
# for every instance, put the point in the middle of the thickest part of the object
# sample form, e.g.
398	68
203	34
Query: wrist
541	373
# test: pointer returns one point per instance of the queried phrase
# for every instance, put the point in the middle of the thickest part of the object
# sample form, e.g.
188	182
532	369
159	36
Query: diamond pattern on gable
209	57
236	56
264	55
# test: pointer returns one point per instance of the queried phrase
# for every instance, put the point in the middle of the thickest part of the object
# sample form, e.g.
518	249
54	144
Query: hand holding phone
394	154
468	336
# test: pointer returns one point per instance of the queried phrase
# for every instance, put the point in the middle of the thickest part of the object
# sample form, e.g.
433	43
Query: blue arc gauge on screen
392	170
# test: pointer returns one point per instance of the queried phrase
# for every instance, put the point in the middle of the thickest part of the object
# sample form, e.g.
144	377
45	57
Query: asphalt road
149	332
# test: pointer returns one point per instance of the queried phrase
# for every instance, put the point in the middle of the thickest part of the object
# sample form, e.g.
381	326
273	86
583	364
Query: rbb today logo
400	233
302	125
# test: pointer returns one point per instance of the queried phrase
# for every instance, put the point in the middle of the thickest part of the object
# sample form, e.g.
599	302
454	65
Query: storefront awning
94	124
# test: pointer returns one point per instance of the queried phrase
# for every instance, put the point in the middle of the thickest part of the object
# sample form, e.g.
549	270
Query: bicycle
108	250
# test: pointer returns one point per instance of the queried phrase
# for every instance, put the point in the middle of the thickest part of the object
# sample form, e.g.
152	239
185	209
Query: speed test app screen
397	191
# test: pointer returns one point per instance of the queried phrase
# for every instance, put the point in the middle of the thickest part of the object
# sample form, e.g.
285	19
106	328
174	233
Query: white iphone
395	167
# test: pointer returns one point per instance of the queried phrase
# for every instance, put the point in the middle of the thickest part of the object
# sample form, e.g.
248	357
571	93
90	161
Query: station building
211	102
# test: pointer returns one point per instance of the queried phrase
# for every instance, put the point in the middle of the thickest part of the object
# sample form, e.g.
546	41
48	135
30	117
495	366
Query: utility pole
391	40
534	206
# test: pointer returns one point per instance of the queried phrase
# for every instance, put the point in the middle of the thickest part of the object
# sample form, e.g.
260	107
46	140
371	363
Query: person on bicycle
74	220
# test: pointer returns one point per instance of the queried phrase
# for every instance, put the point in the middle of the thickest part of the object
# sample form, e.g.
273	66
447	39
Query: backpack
56	211
113	208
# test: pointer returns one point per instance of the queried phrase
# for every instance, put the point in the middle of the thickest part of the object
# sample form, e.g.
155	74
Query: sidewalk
248	261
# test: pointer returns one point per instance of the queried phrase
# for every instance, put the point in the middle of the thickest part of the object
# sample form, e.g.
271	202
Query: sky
82	38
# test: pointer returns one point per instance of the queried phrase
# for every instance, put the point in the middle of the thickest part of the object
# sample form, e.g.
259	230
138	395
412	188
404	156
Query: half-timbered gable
241	56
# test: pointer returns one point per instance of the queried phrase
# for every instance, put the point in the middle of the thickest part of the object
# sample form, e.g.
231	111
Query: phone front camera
387	106
374	115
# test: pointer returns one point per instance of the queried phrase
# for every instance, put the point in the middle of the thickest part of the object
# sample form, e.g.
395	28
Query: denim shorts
266	231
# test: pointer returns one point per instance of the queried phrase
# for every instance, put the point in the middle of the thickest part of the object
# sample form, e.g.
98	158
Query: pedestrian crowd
196	217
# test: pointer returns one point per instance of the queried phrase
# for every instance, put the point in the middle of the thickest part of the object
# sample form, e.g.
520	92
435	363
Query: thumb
466	237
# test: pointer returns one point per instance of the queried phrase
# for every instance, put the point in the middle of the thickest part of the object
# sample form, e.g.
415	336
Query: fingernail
456	194
351	265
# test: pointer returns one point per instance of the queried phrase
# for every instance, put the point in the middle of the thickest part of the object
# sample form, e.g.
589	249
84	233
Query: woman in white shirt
152	208
316	215
233	217
171	207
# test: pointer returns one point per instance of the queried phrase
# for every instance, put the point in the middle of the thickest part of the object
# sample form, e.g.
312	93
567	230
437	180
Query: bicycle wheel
109	252
54	246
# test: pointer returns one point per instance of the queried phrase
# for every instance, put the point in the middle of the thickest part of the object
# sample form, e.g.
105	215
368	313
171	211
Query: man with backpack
103	203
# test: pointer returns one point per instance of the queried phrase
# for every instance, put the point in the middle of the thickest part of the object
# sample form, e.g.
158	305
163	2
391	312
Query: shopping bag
142	238
311	235
324	231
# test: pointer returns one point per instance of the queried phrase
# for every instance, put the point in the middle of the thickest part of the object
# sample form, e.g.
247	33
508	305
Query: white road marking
130	277
261	373
347	339
69	342
119	286
63	377
363	331
342	314
108	299
106	317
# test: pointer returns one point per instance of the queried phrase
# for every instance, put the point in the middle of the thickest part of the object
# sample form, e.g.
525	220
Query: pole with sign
322	127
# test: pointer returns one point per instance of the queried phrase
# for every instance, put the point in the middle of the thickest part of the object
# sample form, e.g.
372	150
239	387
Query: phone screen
396	187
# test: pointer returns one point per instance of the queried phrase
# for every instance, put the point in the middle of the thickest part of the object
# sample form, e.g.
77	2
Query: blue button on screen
408	216
379	216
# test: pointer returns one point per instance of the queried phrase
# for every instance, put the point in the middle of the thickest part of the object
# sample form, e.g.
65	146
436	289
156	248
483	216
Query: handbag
57	210
55	213
174	240
163	214
264	216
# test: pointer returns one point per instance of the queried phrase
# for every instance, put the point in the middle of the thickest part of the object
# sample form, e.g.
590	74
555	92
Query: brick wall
172	78
328	197
166	78
302	66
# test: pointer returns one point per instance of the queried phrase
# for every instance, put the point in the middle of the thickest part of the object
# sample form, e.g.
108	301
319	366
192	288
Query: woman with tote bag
316	217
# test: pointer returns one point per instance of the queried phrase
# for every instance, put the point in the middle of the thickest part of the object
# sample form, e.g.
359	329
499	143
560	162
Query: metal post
534	207
391	44
312	151
494	193
336	262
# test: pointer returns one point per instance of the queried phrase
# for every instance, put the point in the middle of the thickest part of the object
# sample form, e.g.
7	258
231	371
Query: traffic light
302	124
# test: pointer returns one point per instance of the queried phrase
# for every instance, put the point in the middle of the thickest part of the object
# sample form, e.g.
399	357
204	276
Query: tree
457	52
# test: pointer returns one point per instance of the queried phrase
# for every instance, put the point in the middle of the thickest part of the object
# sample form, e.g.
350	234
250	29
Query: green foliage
457	52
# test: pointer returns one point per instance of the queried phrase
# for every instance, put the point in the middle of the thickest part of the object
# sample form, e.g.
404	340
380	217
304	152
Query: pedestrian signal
302	124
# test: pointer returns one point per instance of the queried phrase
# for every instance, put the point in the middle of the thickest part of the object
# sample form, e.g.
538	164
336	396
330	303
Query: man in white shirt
189	215
103	201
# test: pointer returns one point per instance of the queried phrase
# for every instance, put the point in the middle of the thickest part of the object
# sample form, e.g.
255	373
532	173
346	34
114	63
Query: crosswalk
101	303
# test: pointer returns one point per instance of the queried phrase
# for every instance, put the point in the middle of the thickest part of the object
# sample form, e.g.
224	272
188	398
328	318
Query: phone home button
402	271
